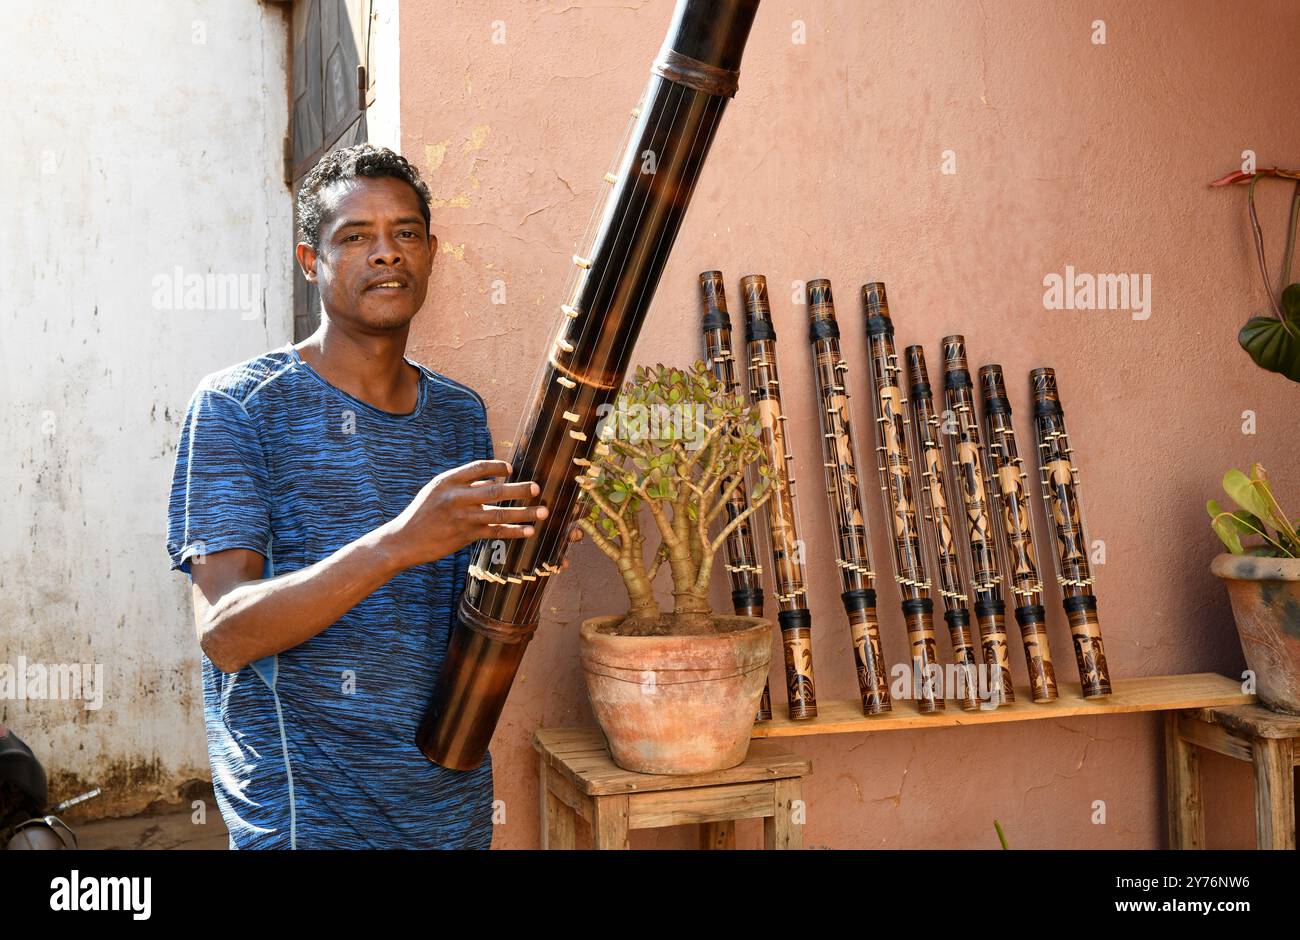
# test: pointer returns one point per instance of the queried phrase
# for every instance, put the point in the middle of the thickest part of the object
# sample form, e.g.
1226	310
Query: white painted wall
384	117
143	138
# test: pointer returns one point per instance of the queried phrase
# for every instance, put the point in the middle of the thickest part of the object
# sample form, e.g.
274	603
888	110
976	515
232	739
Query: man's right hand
458	507
241	617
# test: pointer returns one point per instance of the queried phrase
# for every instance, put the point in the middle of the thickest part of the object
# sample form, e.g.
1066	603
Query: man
324	502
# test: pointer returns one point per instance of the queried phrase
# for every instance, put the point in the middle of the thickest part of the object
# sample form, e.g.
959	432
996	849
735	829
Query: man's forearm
264	617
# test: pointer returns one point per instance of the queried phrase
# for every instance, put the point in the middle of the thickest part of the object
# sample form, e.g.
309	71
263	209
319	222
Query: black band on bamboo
1083	602
956	378
861	599
984	608
997	406
957	617
757	329
1031	613
747	597
918	605
823	329
793	619
1046	406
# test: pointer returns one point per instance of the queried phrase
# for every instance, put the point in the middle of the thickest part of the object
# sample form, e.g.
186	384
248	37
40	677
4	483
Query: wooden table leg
557	820
609	822
780	831
1274	793
1182	788
718	835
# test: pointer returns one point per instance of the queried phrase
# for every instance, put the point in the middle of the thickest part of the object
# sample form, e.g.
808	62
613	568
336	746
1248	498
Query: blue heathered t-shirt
315	747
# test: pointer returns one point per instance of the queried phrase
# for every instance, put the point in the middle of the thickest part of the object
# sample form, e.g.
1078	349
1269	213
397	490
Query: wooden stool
1251	733
578	778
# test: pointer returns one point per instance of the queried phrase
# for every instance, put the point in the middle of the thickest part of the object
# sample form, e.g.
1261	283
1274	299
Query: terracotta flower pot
676	704
1265	596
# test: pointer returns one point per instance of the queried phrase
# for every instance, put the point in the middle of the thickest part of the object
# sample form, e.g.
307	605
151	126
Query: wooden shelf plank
1147	694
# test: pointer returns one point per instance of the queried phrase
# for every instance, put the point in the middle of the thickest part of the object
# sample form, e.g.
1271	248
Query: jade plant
676	445
1258	517
1273	341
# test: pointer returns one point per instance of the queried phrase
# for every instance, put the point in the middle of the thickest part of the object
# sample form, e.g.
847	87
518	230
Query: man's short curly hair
349	163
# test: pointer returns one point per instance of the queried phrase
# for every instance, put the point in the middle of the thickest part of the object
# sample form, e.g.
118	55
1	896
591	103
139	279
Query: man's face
375	255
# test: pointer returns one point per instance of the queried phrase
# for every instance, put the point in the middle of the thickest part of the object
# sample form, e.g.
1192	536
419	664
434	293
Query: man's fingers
502	515
478	470
575	534
492	491
508	532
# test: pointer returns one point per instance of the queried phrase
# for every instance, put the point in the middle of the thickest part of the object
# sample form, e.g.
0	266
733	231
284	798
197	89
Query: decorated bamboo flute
840	460
790	587
1006	473
742	560
1060	487
939	536
965	451
895	466
612	284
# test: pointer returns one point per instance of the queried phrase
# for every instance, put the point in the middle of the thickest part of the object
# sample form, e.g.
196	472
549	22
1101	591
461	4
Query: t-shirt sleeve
220	495
487	450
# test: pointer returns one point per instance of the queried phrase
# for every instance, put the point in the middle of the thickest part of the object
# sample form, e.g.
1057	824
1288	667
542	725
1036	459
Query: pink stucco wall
828	164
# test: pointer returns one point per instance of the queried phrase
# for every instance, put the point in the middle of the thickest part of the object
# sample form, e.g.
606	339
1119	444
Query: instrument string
516	550
524	554
550	536
628	339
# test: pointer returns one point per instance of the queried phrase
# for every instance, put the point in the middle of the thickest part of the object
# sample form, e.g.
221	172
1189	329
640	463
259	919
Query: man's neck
371	368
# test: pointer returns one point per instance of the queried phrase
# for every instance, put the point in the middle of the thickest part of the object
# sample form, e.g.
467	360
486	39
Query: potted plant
1262	573
675	692
1263	580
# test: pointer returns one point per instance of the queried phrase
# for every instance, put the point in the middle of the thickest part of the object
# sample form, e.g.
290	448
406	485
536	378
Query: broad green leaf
1275	344
1276	515
1226	531
1243	492
1291	302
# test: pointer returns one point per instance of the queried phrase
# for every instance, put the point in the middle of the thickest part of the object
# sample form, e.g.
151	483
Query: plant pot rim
731	651
1255	568
591	625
